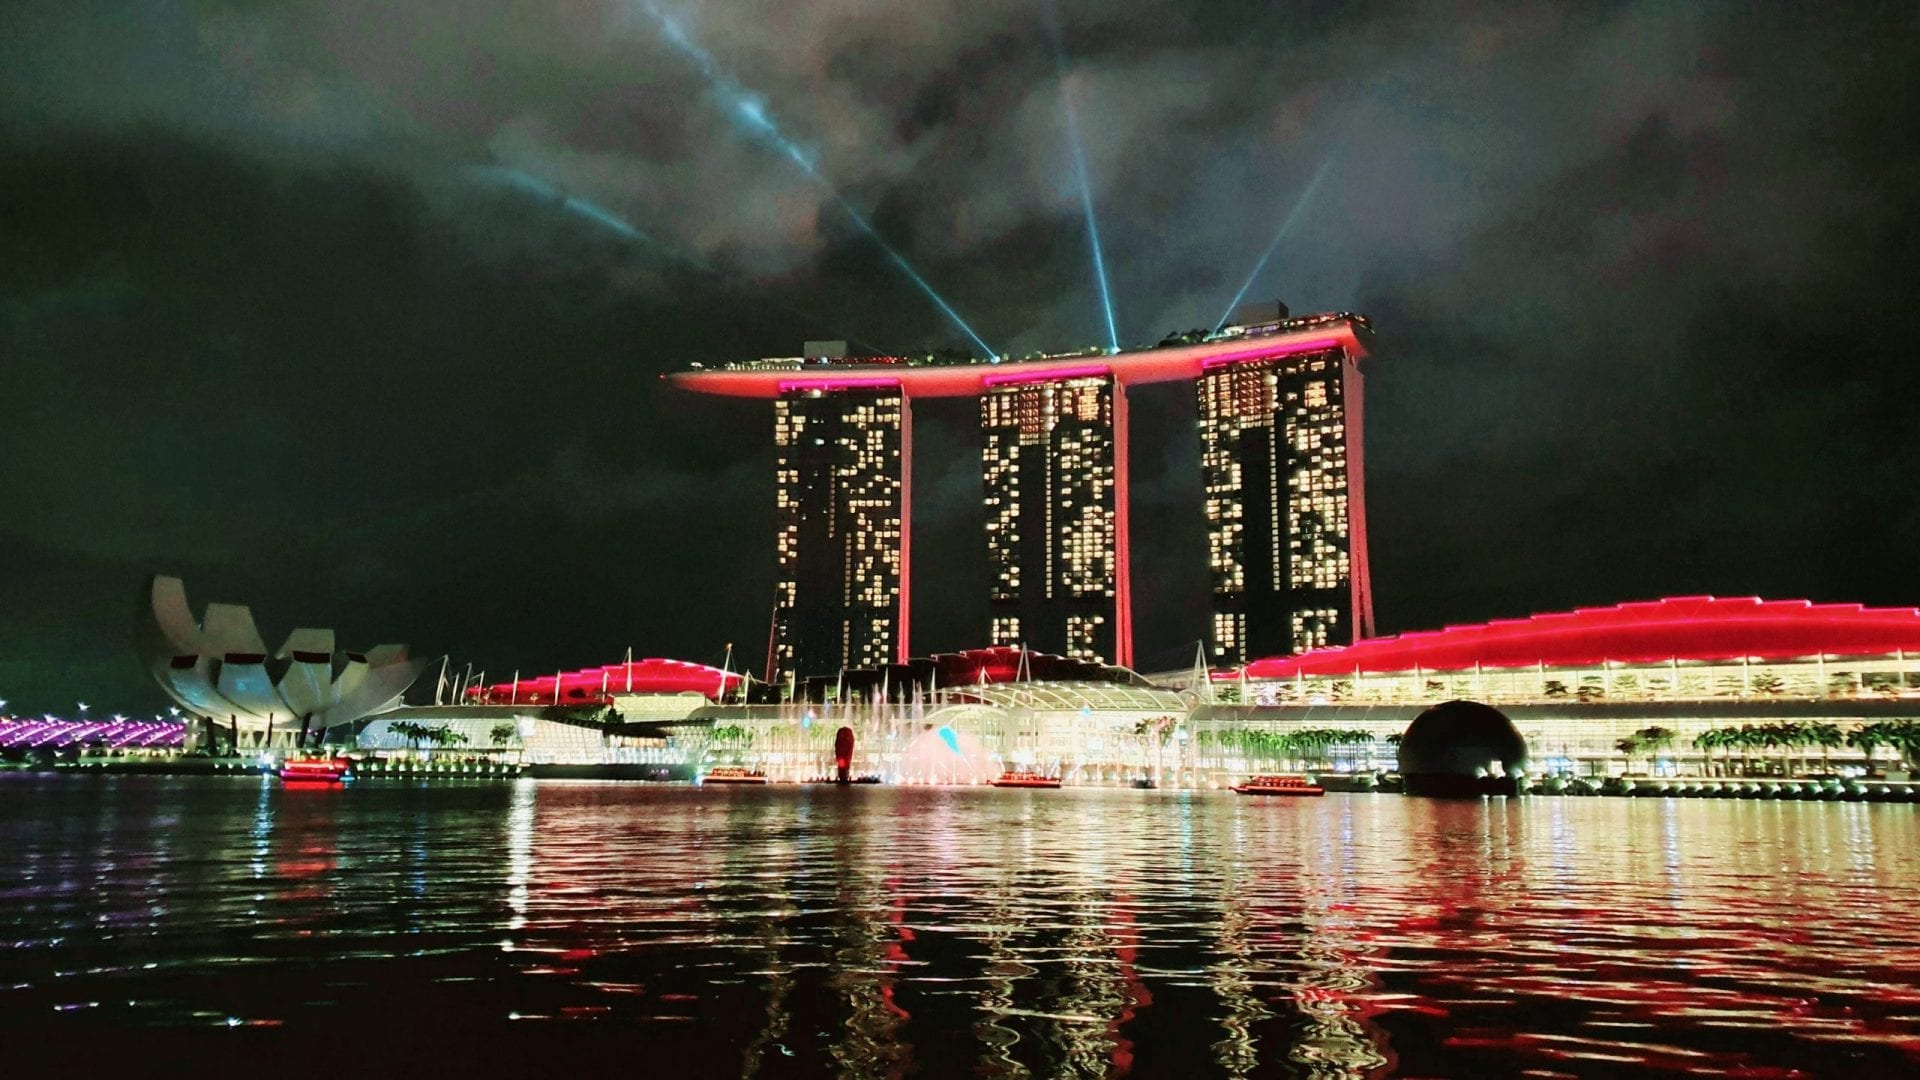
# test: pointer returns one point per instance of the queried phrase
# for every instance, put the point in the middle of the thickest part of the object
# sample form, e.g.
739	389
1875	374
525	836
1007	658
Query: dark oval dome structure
1462	748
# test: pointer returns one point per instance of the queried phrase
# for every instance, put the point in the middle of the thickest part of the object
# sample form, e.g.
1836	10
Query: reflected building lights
520	818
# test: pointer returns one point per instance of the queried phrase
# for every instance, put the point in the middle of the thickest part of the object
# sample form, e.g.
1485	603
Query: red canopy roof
649	676
1682	628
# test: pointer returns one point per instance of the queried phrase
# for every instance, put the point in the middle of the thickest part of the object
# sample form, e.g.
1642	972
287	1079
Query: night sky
293	303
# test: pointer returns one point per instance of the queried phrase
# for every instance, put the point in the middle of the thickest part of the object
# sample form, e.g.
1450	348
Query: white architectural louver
220	668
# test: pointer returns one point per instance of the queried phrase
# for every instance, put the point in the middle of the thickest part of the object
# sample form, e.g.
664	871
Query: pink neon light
970	380
650	676
828	382
1212	362
1681	628
904	607
1360	577
1122	535
1048	375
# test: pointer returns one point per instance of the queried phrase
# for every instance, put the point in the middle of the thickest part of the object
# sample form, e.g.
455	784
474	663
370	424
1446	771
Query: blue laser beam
749	112
1080	173
533	186
571	204
1286	226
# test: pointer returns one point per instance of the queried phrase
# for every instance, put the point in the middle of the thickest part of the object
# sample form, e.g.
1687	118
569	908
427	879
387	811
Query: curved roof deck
770	379
1075	697
592	685
1688	628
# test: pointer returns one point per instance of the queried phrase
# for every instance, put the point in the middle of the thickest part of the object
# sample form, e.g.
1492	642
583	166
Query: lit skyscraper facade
1280	427
1053	463
1280	459
843	508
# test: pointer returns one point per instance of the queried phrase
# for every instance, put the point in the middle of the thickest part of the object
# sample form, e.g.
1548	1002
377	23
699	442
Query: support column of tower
1122	533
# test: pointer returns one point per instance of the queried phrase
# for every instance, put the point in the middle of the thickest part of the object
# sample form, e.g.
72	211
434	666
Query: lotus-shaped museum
219	669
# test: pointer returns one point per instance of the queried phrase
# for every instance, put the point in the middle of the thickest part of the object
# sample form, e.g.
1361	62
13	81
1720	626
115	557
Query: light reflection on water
887	931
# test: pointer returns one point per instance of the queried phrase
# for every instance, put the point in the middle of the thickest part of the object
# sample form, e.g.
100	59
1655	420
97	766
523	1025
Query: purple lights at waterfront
56	734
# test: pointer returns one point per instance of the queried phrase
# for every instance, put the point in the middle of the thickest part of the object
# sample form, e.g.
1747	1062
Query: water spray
1080	172
1286	226
749	112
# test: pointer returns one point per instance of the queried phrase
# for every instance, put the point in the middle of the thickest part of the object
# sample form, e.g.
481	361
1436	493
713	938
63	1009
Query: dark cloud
275	314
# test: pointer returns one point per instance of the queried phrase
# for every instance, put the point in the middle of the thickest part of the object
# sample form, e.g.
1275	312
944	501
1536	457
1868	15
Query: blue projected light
749	112
572	204
533	186
1286	226
947	736
1080	174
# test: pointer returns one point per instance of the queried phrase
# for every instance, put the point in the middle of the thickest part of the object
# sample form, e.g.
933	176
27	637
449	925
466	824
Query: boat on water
1278	785
1143	783
1026	780
837	782
314	770
731	774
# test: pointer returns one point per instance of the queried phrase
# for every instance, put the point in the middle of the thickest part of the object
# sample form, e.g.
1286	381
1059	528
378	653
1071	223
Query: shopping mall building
1575	683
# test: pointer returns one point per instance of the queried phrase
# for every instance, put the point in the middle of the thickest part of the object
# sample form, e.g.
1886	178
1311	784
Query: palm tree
415	733
1773	737
1904	737
1707	742
1747	738
1791	737
1629	746
1650	741
1827	737
1866	738
502	733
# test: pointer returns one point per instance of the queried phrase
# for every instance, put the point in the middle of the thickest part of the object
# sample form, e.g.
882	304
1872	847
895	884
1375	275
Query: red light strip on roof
1084	371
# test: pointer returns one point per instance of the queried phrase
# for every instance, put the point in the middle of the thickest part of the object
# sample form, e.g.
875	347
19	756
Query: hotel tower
1286	537
1279	408
1053	465
843	458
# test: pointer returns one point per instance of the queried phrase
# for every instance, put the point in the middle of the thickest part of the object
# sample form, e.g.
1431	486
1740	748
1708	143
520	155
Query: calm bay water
876	931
